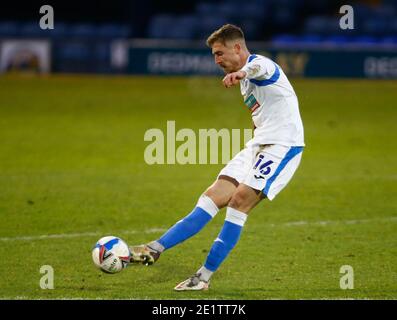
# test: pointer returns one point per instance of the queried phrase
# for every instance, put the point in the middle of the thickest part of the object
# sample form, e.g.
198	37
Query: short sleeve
259	68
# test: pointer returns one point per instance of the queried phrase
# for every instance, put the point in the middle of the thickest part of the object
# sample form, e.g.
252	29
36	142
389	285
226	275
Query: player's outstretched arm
233	78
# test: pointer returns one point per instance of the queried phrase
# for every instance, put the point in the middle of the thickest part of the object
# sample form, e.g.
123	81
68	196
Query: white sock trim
205	274
235	216
207	205
156	246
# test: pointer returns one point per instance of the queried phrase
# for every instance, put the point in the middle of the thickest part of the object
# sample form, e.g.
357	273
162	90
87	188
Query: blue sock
191	224
227	239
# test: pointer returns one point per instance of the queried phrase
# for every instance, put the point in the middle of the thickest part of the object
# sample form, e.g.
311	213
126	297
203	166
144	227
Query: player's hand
233	78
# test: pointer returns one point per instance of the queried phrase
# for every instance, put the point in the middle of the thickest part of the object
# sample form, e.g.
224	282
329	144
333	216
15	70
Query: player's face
227	56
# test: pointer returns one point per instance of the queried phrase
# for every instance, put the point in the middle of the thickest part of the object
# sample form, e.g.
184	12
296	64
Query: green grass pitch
72	170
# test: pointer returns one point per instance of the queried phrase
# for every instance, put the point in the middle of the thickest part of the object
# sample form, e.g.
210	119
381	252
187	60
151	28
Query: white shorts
267	168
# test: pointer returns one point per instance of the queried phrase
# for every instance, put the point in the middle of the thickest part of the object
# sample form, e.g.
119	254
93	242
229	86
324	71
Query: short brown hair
225	33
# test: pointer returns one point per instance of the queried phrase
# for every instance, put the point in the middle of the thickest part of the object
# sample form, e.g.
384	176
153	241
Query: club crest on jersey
251	103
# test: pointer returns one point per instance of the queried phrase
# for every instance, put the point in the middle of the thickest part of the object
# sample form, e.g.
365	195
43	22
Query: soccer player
261	170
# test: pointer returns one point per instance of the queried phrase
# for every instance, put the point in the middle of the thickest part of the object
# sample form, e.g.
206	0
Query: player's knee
220	192
238	200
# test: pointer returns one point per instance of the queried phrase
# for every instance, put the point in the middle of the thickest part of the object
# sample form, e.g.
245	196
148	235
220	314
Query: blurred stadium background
158	37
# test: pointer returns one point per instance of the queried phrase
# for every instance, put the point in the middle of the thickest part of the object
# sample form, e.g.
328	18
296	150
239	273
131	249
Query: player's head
228	47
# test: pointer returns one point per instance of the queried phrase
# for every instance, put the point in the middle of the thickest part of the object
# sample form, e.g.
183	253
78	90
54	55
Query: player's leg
244	199
273	168
208	205
214	198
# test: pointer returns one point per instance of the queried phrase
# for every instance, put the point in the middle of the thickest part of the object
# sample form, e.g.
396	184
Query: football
111	254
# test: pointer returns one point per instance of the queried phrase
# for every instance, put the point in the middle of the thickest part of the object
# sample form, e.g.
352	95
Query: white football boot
194	283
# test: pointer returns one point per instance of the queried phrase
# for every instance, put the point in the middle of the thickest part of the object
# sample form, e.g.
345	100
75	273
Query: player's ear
237	47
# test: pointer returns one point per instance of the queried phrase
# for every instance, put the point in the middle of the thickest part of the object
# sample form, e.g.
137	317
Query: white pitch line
77	235
325	223
160	230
